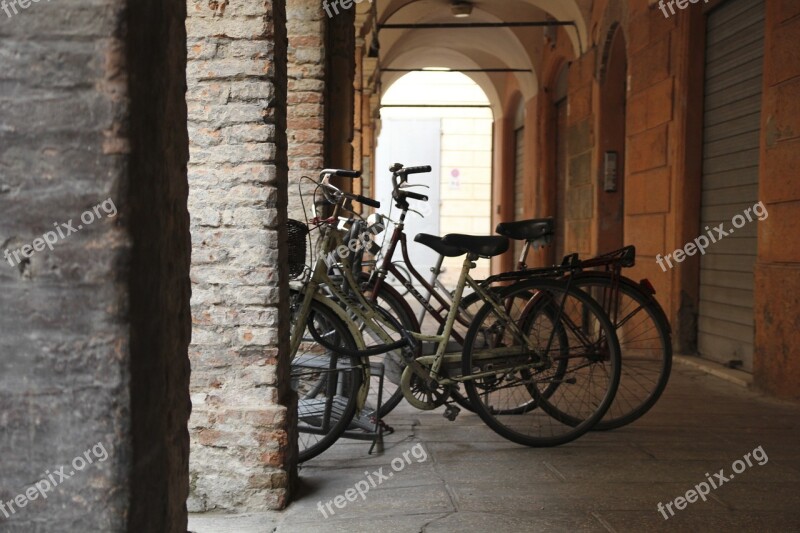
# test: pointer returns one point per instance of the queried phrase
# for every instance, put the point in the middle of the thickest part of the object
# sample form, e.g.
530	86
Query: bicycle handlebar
416	170
333	194
413	195
399	176
342	173
366	201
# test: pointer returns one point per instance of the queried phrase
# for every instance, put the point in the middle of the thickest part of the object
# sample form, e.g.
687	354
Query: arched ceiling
514	48
453	60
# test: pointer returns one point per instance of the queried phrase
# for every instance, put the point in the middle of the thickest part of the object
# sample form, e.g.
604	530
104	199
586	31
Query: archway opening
440	118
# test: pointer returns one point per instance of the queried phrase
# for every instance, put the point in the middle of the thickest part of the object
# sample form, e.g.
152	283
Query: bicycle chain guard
418	394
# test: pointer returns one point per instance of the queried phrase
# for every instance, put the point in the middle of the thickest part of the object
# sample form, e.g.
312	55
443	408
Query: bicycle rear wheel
470	304
645	347
560	387
326	382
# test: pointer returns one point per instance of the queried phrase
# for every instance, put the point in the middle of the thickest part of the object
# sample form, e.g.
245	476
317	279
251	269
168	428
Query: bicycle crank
419	394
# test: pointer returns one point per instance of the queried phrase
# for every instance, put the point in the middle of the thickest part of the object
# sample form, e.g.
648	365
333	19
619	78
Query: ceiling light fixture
374	46
461	9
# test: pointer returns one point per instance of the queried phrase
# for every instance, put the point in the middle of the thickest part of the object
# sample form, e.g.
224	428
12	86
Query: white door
412	143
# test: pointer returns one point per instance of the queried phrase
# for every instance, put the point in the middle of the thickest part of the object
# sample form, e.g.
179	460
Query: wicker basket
296	239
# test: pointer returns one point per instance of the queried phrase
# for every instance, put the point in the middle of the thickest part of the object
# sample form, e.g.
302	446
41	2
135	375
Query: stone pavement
474	481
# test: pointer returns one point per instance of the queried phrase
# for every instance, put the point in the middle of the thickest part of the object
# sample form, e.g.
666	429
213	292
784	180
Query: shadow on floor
472	480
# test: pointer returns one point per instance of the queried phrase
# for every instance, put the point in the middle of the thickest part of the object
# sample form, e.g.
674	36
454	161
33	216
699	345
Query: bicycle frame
388	267
453	314
362	311
372	320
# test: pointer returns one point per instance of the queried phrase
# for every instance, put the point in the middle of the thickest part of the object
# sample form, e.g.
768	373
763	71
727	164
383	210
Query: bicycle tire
549	420
321	398
468	303
645	349
389	297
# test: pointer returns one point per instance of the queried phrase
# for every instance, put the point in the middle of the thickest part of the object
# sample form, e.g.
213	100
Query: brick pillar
242	446
305	26
95	330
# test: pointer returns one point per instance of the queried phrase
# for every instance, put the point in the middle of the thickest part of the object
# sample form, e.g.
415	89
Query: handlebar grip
348	173
416	170
367	201
415	196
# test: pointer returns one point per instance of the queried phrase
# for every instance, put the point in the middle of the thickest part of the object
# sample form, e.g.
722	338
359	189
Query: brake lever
408	186
331	193
417	212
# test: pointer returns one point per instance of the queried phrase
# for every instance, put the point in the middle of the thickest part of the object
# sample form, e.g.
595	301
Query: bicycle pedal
385	428
451	412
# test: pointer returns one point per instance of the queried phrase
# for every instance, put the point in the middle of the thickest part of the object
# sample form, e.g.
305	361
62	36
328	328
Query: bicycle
640	322
553	392
646	343
331	385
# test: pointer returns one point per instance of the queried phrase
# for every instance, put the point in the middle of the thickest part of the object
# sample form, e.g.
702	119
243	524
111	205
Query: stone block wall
95	330
242	449
64	376
777	274
581	138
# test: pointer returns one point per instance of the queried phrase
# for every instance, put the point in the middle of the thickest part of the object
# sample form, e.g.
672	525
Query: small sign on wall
610	172
455	179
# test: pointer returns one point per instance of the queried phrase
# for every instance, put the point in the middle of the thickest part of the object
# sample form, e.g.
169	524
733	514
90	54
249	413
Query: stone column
94	374
242	446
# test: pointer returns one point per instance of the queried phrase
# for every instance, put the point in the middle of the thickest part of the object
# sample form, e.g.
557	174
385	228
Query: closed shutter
732	122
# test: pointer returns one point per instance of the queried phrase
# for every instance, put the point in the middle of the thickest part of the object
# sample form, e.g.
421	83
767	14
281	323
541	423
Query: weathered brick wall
241	456
305	26
581	138
95	331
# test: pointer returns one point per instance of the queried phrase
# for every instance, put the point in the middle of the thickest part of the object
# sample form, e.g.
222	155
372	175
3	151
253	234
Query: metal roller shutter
732	122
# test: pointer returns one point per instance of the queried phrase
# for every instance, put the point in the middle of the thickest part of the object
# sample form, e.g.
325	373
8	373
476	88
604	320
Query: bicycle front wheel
550	363
326	382
392	302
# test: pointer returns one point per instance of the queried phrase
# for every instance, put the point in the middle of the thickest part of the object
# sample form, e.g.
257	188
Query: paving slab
472	480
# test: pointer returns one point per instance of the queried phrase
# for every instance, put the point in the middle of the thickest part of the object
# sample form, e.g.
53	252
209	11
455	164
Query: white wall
465	172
